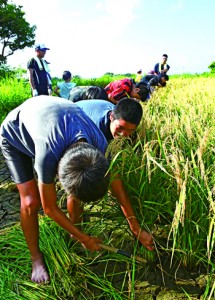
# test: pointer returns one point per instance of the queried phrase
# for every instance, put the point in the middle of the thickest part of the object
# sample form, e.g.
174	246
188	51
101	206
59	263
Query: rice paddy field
169	172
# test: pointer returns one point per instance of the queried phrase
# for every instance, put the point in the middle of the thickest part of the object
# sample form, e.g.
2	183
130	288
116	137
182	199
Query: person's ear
111	117
136	90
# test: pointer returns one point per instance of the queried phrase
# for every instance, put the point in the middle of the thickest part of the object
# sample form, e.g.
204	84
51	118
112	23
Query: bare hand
92	243
146	240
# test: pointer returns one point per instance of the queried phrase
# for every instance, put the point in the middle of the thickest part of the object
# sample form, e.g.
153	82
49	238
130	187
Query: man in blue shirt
114	120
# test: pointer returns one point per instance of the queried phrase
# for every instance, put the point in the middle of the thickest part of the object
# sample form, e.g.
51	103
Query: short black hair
95	92
165	76
165	55
66	75
143	92
129	110
83	172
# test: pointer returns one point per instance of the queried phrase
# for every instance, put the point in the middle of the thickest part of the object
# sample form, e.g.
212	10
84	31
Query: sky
92	37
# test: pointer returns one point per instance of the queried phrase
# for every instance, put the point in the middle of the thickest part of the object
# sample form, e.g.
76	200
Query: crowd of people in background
67	136
139	88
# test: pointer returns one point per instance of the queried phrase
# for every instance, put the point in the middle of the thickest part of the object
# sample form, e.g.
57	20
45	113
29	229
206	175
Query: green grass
12	93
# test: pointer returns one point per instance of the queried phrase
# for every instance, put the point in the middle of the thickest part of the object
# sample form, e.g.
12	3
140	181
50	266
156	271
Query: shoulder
59	84
77	92
31	62
126	82
97	108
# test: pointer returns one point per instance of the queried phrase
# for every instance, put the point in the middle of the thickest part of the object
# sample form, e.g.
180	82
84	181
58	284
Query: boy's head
163	79
40	50
125	117
164	57
95	92
67	75
140	91
83	171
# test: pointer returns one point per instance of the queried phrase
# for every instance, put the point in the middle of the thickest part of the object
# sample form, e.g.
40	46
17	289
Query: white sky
92	37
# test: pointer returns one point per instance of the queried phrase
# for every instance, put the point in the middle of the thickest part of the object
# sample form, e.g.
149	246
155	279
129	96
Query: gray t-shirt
44	127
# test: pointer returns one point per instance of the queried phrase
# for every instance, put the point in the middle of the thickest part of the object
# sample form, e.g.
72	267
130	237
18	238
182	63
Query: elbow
49	211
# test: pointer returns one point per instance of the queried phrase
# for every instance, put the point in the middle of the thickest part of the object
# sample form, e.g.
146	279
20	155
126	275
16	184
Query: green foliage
15	32
212	67
101	81
6	71
13	92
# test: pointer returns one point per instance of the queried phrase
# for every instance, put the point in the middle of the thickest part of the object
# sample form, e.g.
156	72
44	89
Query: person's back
114	120
99	112
63	88
126	87
87	93
40	129
76	94
118	89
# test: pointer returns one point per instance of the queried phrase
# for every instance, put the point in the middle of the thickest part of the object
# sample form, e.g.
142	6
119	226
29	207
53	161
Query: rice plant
168	171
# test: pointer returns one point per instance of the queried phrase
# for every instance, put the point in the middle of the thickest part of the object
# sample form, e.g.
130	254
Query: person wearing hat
63	88
39	72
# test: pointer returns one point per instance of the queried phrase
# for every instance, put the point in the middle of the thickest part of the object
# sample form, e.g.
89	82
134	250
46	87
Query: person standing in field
161	67
39	72
63	88
62	141
139	75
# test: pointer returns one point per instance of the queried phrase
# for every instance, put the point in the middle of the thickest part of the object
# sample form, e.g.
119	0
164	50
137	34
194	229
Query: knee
29	203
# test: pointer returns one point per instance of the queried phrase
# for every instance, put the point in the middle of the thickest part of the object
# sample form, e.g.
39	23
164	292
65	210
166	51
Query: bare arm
49	203
120	193
56	91
31	79
111	99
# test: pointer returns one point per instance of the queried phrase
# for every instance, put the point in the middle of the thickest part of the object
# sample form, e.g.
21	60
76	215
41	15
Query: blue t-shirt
65	88
44	128
99	112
